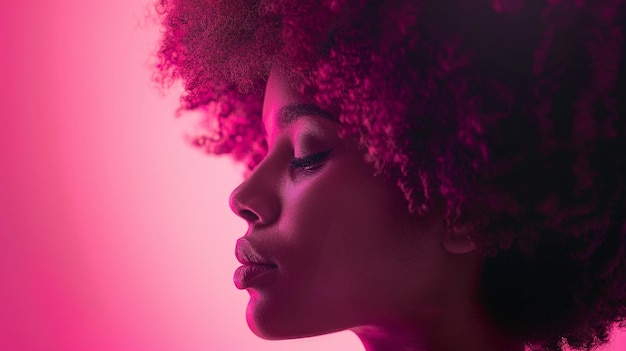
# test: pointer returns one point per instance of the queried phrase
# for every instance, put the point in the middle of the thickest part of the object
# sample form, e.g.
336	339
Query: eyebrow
290	113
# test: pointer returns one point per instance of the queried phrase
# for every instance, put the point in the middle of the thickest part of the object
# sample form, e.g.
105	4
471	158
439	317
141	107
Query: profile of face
330	246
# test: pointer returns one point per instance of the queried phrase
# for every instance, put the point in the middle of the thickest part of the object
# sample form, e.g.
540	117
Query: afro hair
512	112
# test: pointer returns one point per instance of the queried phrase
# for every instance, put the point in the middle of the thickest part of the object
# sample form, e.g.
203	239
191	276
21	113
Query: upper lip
247	254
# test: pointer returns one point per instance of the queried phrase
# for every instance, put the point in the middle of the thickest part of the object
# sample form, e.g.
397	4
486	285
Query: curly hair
508	110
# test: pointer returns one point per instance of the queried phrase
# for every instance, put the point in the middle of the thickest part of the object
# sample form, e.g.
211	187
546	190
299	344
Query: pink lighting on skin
114	233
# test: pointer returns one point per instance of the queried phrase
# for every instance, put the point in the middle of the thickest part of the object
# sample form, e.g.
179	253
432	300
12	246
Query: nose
256	199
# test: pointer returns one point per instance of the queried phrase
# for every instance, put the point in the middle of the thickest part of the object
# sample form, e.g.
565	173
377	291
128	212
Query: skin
348	253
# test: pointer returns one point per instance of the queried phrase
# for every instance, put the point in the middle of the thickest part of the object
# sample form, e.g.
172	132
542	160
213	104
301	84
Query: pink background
114	233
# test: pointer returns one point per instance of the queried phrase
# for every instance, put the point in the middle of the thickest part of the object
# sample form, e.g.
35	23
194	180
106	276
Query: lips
246	254
254	265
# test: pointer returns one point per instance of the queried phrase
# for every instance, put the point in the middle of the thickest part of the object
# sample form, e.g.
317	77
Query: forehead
280	93
284	105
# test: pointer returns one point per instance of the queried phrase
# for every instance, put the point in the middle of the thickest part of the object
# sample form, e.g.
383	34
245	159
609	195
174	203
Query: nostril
256	200
248	215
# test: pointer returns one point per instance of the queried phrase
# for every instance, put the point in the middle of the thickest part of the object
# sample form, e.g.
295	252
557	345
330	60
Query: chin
266	321
281	322
271	329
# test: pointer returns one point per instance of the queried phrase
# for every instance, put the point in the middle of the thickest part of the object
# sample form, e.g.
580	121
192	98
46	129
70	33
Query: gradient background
114	233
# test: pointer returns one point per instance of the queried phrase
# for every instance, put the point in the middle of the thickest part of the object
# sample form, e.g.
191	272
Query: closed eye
309	163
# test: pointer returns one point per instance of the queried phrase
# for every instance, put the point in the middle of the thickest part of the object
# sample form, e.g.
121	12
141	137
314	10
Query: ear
458	241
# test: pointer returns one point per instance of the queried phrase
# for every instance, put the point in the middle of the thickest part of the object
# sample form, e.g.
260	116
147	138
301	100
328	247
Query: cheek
320	222
343	220
310	215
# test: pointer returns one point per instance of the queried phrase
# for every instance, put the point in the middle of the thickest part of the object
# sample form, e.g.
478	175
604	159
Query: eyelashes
309	163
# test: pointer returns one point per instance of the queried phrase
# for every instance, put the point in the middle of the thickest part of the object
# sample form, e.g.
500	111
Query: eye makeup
310	162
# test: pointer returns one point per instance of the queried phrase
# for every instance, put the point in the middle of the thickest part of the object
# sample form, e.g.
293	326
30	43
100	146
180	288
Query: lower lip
249	274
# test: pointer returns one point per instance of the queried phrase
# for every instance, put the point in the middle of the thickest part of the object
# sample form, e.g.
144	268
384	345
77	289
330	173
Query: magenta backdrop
114	233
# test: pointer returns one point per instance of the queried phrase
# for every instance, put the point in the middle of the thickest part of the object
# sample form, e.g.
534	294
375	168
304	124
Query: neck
454	320
455	337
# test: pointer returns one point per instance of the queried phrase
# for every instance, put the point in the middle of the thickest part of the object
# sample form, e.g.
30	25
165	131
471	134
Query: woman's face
330	246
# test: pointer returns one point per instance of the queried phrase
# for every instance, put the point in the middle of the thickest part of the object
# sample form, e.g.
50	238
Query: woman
432	175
